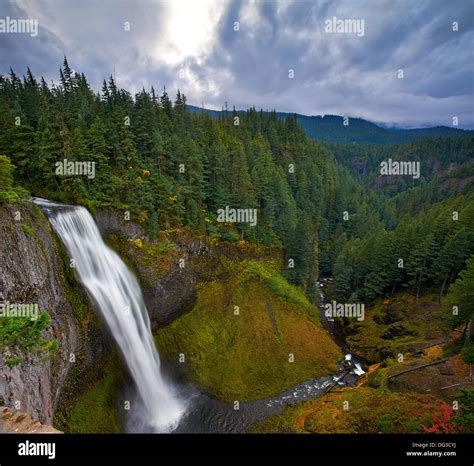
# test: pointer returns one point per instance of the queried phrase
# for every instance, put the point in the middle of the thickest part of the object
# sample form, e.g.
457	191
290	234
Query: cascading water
118	297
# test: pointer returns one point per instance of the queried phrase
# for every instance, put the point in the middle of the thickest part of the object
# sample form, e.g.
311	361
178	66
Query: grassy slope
369	411
245	356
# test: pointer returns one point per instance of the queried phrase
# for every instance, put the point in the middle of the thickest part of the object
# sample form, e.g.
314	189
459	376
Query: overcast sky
194	45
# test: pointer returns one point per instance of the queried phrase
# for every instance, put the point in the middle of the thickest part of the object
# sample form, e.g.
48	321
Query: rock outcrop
169	293
33	270
13	422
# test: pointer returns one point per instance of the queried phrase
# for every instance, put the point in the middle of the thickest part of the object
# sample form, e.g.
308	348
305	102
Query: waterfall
117	296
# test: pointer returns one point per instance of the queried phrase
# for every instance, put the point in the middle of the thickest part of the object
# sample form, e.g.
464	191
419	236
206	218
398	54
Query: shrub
465	419
27	229
229	236
441	421
468	354
21	337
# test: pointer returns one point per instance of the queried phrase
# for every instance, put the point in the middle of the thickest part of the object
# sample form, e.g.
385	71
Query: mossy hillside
94	408
416	321
246	356
369	411
390	366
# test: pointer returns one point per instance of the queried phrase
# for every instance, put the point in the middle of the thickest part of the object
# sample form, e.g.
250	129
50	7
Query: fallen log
418	367
437	343
450	386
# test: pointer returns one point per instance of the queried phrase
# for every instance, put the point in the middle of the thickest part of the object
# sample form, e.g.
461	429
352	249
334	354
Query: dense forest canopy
325	205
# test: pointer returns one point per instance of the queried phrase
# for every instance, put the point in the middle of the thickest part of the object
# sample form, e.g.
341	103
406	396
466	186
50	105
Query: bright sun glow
188	30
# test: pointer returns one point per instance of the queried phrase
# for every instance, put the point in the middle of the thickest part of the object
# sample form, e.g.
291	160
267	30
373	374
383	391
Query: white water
118	297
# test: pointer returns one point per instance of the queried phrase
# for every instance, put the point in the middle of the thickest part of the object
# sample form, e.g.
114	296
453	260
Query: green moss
94	410
10	362
276	284
379	378
246	356
27	229
369	411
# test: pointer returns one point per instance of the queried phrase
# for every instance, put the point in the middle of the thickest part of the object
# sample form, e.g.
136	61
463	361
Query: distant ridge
331	128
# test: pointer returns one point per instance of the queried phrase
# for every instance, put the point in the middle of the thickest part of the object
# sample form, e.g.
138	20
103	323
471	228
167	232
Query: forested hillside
326	207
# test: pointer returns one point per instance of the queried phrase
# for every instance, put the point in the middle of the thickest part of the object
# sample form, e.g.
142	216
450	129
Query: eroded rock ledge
16	422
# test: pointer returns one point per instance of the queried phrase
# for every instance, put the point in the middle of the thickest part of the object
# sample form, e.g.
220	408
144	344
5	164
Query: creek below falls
163	399
205	414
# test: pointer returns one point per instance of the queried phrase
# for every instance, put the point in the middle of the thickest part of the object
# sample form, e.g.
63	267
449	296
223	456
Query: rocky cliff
34	270
168	288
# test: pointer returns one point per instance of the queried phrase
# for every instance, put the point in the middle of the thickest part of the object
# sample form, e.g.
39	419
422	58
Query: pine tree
166	104
461	299
66	76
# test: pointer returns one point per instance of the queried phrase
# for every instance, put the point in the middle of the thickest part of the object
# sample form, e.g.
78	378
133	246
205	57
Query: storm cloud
267	54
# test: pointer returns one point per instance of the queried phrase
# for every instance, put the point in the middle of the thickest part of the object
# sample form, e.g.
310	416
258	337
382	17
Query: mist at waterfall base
118	297
161	399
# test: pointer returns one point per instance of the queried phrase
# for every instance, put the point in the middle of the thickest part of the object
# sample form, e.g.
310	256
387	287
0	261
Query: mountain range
332	128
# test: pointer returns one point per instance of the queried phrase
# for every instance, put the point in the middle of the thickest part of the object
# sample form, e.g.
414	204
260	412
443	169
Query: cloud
196	46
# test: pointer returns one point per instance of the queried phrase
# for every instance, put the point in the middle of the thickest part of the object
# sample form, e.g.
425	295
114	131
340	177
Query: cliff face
33	270
168	289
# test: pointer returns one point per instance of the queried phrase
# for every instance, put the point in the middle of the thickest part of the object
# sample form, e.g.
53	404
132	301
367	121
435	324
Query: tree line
172	168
